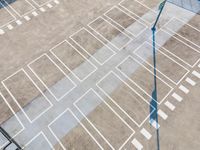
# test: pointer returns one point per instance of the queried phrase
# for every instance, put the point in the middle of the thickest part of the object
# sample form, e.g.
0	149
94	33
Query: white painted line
56	1
27	18
2	32
170	105
195	73
184	89
190	81
162	114
145	133
18	22
154	124
137	144
49	5
42	9
177	97
35	13
199	65
10	27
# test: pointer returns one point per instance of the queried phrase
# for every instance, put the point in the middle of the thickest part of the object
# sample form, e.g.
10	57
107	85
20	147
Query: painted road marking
10	27
199	65
1	32
56	1
27	18
137	144
195	73
170	105
49	5
184	89
18	22
190	81
177	97
42	9
35	13
146	134
154	124
162	114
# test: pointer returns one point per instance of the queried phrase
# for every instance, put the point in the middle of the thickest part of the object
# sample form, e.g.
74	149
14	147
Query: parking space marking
40	101
41	3
2	32
42	9
119	42
145	133
27	18
104	53
34	13
10	27
98	128
170	105
137	144
162	114
190	81
56	1
130	62
154	123
87	66
184	89
49	5
143	51
199	65
135	98
63	88
195	73
73	121
18	22
138	26
177	97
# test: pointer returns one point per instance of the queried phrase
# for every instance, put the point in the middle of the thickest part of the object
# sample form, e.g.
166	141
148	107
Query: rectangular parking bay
125	21
143	78
5	16
110	33
105	120
53	78
176	47
92	46
21	7
27	95
164	64
73	60
126	98
71	134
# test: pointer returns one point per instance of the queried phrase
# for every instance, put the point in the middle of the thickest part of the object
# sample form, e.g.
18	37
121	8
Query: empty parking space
22	7
125	21
105	120
24	91
143	78
72	134
164	64
52	75
73	60
5	16
92	46
176	47
110	33
126	98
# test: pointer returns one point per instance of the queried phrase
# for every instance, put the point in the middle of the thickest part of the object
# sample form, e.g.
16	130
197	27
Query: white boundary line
35	137
149	72
94	125
70	70
1	95
4	7
110	42
111	72
45	55
78	121
40	5
185	23
104	45
33	8
161	30
145	26
31	121
158	50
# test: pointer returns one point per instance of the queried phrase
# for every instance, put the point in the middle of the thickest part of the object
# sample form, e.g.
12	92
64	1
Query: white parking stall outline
40	5
158	50
130	57
107	94
110	42
13	112
104	45
44	111
71	71
92	90
65	75
78	121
